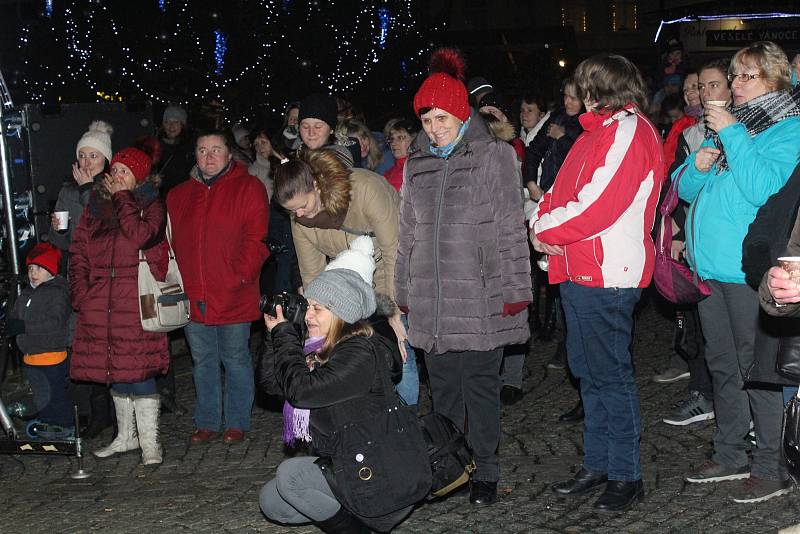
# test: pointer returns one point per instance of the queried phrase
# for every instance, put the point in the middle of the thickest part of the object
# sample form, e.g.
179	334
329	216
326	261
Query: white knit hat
98	137
358	258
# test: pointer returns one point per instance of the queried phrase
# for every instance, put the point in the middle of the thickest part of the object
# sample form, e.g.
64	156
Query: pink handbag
673	279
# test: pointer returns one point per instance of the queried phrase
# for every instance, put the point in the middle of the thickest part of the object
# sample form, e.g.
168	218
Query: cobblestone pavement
214	488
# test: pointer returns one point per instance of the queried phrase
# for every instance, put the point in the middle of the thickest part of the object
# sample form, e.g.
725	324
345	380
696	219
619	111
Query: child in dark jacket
40	322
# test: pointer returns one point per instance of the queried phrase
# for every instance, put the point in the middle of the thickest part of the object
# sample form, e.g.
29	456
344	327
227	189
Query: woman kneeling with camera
341	374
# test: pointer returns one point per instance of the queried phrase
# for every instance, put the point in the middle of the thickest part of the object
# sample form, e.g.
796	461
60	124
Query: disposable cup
718	103
63	220
791	264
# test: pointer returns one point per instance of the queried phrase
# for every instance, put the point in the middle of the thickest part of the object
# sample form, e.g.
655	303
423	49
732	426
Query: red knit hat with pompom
137	161
46	256
444	88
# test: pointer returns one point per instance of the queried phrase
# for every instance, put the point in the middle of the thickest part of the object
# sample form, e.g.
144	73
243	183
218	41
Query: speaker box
52	133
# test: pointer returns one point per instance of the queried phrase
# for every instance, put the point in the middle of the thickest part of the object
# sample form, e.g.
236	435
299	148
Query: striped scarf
758	115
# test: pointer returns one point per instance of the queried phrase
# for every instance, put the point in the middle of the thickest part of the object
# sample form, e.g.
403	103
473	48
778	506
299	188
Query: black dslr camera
294	306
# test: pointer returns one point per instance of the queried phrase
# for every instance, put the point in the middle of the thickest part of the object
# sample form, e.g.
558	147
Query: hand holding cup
783	281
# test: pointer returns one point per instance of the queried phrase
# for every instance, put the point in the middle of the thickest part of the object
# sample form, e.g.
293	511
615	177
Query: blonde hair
360	130
340	331
769	59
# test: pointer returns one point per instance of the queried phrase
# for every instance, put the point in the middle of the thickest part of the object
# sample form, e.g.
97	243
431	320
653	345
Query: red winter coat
218	235
110	345
601	207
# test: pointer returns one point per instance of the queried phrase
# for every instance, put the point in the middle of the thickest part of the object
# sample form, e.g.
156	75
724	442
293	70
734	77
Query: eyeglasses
742	77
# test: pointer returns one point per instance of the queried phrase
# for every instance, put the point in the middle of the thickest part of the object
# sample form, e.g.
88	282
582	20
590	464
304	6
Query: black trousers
466	389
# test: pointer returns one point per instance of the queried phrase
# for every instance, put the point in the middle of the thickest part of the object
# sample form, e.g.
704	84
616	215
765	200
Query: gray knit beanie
174	112
345	286
344	293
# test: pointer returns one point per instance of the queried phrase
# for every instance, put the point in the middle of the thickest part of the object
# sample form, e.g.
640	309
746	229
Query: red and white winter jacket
601	207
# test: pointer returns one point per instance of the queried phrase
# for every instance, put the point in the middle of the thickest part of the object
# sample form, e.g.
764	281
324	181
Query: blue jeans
213	347
599	329
408	387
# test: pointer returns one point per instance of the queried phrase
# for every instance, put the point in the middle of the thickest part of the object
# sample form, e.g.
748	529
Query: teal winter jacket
723	205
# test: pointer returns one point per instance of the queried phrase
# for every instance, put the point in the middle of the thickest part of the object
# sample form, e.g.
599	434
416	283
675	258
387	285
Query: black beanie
321	107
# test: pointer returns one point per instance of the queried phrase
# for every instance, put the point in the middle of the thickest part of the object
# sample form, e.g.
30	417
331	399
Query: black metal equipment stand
13	444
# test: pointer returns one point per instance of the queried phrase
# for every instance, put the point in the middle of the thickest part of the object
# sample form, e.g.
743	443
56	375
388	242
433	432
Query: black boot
550	318
101	415
343	522
166	389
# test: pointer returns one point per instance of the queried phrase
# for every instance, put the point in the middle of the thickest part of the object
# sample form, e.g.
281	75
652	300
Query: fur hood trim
502	130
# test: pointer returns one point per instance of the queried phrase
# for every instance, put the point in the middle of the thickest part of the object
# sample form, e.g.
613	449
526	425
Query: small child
40	321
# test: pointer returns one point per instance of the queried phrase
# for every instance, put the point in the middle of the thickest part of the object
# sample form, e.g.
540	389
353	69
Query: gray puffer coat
463	248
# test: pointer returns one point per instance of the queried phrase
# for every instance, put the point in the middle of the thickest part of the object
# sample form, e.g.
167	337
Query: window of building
624	15
574	13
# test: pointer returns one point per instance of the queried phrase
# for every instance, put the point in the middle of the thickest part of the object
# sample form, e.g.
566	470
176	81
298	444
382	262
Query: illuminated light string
220	48
48	8
740	16
373	26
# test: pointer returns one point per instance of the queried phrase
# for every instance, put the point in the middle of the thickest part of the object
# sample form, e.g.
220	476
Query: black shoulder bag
379	465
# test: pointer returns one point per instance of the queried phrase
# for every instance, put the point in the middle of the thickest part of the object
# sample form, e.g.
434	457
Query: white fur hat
97	137
358	258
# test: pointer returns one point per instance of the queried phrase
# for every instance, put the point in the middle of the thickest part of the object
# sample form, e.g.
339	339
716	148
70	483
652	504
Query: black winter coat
45	312
346	389
549	152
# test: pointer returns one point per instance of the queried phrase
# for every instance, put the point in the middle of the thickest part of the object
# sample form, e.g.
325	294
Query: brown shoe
233	435
203	435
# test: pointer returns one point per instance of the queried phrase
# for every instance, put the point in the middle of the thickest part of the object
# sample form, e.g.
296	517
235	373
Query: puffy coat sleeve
79	263
253	251
381	210
692	180
309	258
142	227
405	238
615	181
339	380
512	242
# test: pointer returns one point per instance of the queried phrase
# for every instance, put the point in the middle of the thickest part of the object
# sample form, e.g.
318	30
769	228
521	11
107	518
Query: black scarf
757	115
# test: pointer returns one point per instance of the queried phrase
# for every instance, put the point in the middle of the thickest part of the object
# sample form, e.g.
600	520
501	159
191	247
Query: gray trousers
730	318
513	362
299	493
466	389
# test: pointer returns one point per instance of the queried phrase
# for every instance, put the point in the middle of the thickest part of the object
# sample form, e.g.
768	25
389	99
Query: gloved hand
514	308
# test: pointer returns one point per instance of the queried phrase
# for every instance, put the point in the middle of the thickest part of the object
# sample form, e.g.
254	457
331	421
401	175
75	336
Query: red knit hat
46	256
444	88
137	161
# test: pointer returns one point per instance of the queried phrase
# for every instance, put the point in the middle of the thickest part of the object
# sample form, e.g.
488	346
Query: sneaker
711	471
692	410
756	489
670	375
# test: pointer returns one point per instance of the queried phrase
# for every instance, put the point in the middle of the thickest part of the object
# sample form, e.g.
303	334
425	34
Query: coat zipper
436	226
110	300
483	273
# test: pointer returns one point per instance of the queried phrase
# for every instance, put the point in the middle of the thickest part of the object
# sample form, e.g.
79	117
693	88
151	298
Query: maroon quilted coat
110	345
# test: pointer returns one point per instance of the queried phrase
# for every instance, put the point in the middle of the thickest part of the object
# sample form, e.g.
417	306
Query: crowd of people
440	236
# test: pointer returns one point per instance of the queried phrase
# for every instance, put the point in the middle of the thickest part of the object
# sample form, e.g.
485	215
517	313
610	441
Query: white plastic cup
718	103
63	220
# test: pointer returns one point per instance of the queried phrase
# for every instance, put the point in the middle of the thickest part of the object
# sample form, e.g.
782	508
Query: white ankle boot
127	439
147	408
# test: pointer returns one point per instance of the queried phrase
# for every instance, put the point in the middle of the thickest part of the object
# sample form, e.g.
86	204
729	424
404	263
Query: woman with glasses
751	149
399	135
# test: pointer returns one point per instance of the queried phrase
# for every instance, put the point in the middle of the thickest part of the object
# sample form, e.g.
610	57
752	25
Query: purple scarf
295	420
